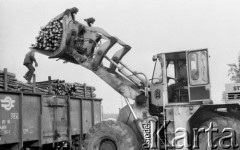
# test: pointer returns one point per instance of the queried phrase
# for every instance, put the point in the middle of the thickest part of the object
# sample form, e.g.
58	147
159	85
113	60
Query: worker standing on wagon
28	62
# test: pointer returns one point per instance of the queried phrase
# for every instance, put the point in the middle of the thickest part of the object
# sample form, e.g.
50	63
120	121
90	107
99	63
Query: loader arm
82	45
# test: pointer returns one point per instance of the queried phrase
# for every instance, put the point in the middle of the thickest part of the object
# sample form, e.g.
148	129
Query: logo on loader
157	94
7	103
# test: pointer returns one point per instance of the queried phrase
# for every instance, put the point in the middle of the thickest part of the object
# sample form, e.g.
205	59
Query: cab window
198	68
204	66
170	72
194	70
158	72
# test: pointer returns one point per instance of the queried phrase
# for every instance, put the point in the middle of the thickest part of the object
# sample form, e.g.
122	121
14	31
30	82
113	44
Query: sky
148	26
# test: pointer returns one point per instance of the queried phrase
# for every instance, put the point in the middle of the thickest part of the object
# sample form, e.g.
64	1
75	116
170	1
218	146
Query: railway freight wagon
39	121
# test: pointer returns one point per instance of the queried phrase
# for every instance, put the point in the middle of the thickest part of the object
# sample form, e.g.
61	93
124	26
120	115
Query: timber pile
50	36
60	87
29	88
12	84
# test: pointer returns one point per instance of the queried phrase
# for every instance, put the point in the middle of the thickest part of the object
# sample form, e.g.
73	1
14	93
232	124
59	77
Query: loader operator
181	81
28	62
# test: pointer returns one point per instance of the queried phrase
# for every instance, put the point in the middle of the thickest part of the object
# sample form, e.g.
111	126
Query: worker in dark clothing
181	81
28	62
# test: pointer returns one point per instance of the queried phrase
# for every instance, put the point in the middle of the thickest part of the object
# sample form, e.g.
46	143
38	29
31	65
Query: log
9	82
8	79
8	73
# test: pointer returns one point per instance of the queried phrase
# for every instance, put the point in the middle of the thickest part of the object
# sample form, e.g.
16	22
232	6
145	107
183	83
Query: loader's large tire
111	135
220	123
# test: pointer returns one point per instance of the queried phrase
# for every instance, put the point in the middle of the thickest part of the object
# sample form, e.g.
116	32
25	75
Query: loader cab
180	78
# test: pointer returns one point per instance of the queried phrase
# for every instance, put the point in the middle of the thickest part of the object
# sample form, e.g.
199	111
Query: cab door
198	75
158	86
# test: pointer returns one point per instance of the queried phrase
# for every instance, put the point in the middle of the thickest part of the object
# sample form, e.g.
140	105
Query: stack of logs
30	88
50	36
8	81
58	87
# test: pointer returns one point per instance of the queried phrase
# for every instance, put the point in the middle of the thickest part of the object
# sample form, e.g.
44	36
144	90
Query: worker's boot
25	77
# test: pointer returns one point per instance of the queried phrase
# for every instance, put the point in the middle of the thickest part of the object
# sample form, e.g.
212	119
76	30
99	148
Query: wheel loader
172	109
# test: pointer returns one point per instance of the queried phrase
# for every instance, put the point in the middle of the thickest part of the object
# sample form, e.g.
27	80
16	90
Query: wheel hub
108	145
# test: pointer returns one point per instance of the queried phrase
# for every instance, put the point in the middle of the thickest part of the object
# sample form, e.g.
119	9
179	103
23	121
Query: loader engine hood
63	31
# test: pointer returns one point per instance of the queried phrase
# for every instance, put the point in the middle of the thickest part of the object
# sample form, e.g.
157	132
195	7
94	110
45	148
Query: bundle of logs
50	36
57	87
60	87
8	81
31	88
